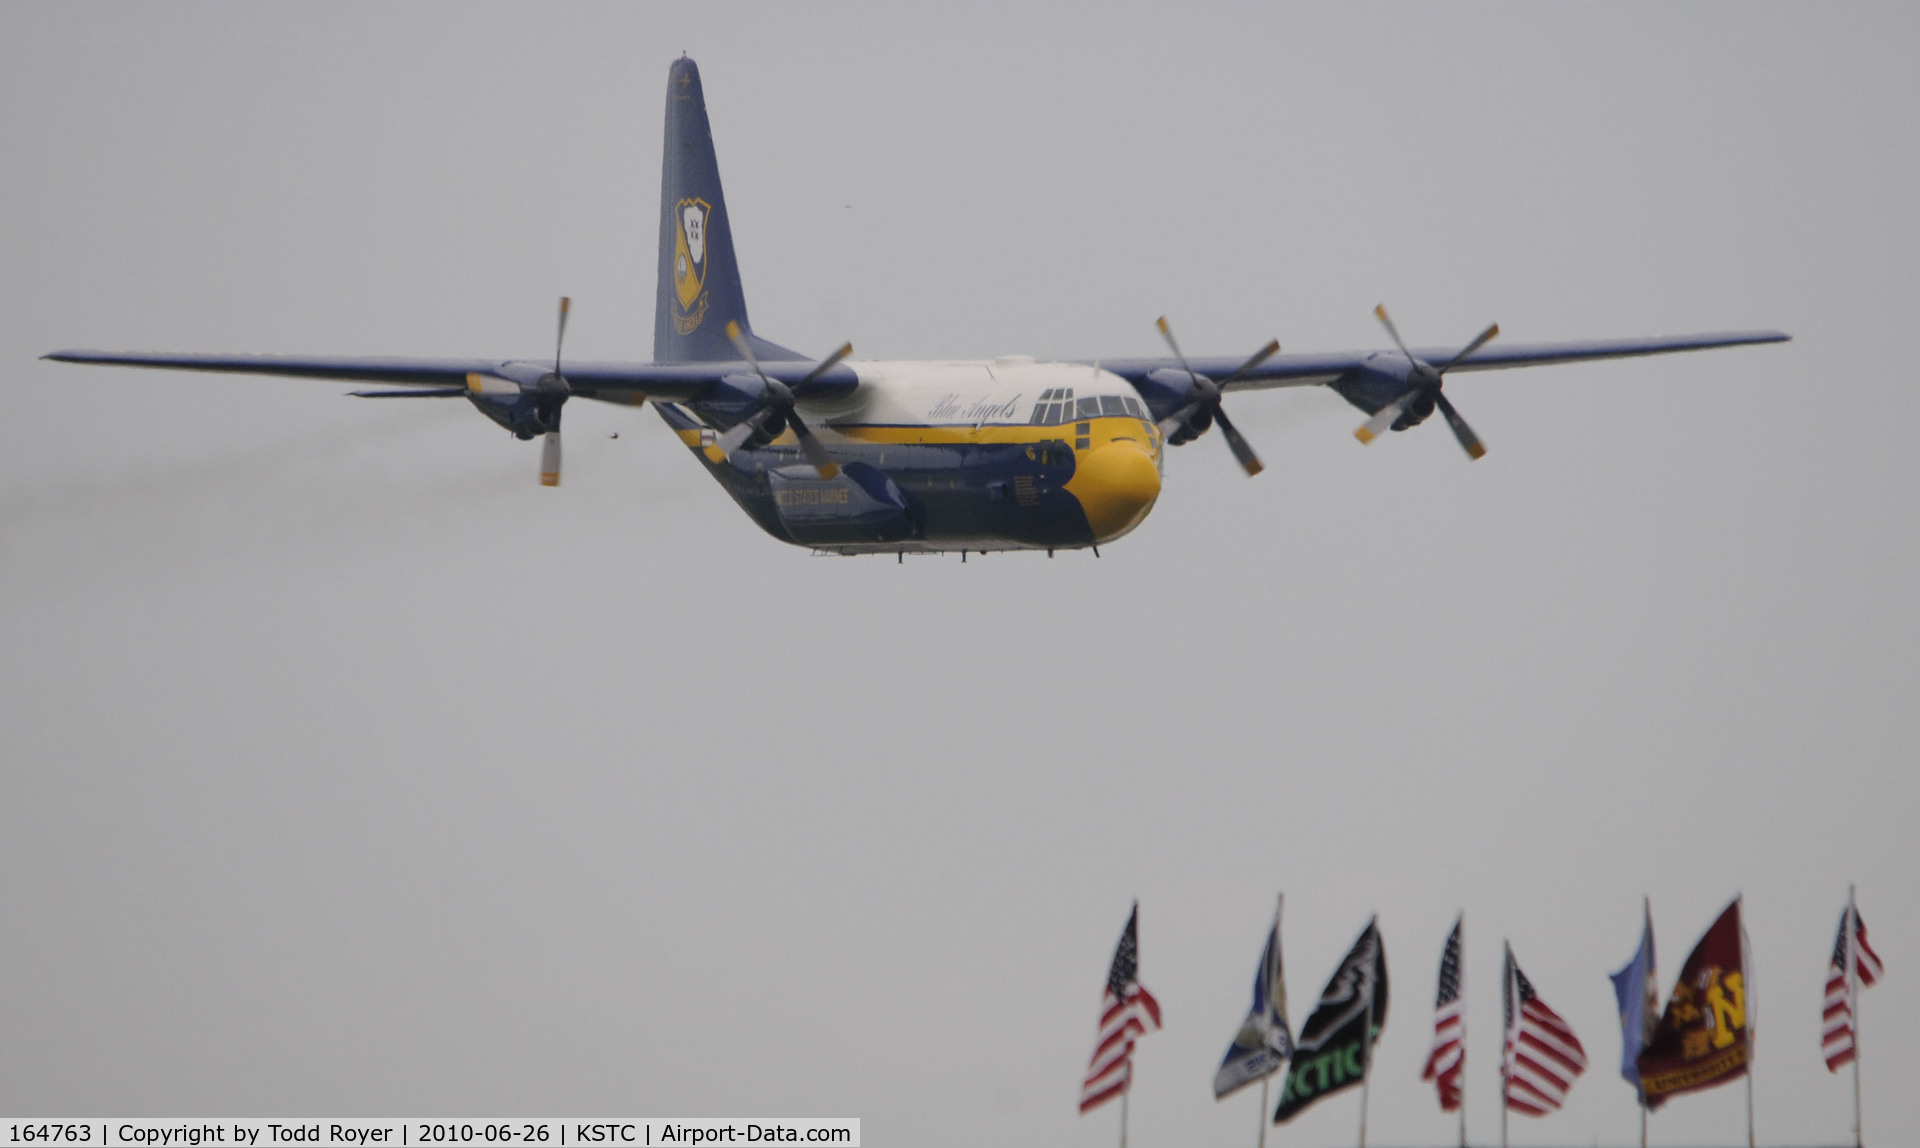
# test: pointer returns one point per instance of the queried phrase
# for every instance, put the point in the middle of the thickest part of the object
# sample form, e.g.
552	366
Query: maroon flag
1125	1011
1704	1038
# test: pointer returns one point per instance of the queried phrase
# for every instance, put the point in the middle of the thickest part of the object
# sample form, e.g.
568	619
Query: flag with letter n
1542	1056
1448	1060
1335	1047
1703	1039
1126	1009
1264	1041
1850	952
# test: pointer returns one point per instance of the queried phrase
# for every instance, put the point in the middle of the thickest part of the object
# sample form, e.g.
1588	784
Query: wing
1495	357
612	382
1320	369
400	372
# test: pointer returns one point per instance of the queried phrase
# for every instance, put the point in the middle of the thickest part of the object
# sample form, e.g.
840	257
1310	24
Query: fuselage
1001	454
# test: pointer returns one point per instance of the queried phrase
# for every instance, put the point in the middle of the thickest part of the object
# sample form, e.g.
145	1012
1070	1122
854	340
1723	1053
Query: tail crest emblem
690	263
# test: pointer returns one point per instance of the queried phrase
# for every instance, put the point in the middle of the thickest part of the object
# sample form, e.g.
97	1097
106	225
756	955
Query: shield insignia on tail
690	250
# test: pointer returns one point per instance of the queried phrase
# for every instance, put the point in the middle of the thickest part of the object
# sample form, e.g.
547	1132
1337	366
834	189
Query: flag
1637	990
1448	1060
1264	1041
1125	1012
1541	1057
1836	1040
1335	1047
1703	1038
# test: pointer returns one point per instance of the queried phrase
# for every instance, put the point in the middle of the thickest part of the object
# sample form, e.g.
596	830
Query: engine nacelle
1166	391
520	397
1382	379
735	398
731	399
1197	424
860	504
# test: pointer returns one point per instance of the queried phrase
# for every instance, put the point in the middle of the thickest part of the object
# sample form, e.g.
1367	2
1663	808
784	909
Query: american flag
1542	1056
1125	1011
1837	1039
1448	1059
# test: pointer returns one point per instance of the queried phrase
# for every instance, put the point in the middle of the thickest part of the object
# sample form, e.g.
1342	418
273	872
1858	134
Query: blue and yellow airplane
859	457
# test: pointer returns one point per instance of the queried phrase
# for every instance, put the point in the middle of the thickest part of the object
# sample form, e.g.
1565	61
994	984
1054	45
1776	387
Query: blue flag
1637	989
1264	1041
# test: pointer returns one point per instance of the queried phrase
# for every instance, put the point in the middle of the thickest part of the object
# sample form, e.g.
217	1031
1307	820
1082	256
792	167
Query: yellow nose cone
1116	485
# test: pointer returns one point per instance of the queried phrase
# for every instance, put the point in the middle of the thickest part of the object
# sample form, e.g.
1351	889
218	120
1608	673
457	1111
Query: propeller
525	408
776	411
550	395
1426	379
1205	400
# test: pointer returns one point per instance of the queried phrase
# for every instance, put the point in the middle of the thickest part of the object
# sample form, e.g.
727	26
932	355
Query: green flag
1337	1041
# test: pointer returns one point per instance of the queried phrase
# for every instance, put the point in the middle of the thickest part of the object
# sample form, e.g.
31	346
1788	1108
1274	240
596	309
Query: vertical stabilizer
699	291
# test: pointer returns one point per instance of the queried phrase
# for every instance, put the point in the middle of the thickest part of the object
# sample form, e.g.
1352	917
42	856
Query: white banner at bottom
459	1132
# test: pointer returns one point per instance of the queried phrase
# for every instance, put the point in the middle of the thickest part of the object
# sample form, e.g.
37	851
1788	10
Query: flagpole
1366	1038
1753	1011
1463	1029
1279	904
1128	1091
1853	1002
1646	904
1506	1004
1749	1089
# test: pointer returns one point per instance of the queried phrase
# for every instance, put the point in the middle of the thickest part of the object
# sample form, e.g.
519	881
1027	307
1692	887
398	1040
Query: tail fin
699	291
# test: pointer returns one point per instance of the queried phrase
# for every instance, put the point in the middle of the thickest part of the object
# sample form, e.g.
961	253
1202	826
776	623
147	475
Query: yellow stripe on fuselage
1100	431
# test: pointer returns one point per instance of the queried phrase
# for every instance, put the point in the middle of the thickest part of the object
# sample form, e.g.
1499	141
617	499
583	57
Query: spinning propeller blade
1378	424
1428	379
1206	398
1480	340
1166	332
1237	443
778	399
828	363
1380	313
1469	441
550	441
550	459
739	433
1259	356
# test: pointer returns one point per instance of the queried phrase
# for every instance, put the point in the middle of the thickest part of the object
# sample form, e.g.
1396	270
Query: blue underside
989	496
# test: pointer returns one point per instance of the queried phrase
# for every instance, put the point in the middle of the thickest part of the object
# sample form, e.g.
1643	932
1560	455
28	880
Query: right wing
612	382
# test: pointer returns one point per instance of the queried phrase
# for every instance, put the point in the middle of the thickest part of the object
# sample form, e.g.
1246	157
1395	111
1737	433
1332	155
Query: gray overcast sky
351	772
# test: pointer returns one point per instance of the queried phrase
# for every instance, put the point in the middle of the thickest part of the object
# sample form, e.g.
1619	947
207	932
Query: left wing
1319	369
1398	388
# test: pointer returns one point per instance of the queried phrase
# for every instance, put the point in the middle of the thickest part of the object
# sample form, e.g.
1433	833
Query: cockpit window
1057	405
1054	406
